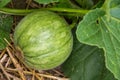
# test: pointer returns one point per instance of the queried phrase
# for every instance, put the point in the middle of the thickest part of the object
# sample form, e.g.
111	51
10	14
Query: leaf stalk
26	11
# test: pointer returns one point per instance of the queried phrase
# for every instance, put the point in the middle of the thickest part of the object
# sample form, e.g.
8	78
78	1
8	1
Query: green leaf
89	4
66	4
5	28
86	63
85	3
46	1
4	3
102	29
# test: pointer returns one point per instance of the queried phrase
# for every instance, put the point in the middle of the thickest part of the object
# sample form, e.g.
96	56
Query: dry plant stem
33	77
9	44
29	1
12	4
8	62
53	77
2	53
13	72
47	76
11	36
16	64
58	73
1	75
6	74
3	58
10	69
13	77
37	76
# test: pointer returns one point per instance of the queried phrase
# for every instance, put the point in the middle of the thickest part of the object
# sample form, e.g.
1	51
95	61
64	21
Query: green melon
45	40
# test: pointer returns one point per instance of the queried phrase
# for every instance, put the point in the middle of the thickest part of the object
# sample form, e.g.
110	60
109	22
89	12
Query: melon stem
23	12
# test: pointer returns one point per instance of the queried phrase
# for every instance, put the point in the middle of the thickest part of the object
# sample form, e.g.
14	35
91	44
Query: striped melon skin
45	40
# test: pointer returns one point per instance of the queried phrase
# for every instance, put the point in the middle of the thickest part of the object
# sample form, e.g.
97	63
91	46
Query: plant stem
26	11
72	25
15	11
106	8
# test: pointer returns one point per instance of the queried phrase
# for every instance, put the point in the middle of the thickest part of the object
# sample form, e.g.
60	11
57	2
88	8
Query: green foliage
5	27
86	63
66	4
4	3
85	3
46	1
89	4
101	28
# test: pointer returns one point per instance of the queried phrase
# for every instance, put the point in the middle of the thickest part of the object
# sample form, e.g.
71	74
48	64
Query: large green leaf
46	1
86	63
5	27
101	27
4	2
